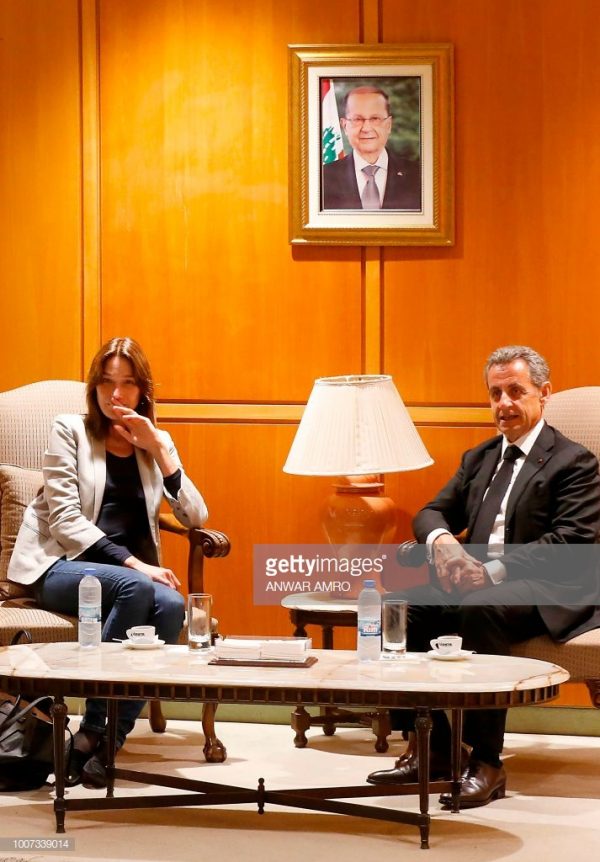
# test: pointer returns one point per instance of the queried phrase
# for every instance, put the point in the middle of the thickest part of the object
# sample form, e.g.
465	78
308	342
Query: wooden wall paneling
239	471
238	468
194	201
90	155
40	178
412	490
528	172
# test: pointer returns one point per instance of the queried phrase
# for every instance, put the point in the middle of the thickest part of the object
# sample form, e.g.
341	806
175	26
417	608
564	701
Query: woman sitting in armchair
105	475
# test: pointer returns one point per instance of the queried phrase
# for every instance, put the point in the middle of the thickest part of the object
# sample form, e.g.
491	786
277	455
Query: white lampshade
353	426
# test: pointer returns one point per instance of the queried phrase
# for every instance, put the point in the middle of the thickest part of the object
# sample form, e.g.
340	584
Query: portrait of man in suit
372	176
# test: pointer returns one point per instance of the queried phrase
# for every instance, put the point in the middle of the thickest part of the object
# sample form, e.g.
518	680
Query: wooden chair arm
213	542
170	524
411	554
202	543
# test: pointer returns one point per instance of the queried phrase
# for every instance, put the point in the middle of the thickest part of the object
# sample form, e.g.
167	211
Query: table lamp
356	428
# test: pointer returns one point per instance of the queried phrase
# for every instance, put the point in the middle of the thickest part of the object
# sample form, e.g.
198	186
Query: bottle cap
369	583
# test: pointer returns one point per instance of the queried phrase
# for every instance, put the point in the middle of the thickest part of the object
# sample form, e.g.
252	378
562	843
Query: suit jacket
552	523
402	189
61	522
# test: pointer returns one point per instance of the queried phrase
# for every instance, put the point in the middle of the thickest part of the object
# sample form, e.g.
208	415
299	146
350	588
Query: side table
321	609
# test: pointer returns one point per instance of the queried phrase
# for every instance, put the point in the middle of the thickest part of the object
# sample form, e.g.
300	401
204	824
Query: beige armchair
576	413
26	415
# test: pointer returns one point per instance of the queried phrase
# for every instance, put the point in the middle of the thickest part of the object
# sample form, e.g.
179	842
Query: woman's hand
141	433
136	429
155	573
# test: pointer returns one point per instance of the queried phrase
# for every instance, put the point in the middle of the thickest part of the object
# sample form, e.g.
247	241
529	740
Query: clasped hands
456	569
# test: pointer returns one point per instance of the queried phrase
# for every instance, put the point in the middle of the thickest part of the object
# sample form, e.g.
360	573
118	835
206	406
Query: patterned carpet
552	806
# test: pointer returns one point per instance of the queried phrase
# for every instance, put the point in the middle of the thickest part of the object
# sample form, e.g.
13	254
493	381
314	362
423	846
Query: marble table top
335	670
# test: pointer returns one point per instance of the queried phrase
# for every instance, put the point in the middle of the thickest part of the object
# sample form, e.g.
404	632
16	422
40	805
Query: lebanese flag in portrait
332	146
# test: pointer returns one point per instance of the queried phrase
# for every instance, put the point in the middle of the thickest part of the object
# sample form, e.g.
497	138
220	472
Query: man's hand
455	568
470	576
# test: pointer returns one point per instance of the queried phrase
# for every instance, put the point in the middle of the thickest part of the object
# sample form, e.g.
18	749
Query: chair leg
214	750
382	727
594	690
300	723
157	720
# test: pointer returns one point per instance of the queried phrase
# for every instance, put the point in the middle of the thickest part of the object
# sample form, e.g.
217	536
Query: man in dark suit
371	177
529	501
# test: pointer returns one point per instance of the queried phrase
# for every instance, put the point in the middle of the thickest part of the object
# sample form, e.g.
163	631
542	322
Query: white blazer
61	522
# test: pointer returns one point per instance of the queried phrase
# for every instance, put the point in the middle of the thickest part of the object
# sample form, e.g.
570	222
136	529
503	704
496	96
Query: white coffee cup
142	634
447	644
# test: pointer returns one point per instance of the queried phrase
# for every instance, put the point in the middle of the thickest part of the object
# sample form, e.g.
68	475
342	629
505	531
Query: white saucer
459	656
156	644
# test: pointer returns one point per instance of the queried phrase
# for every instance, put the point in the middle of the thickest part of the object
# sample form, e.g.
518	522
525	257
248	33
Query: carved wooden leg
58	711
329	720
382	727
423	724
457	724
157	720
327	637
214	750
594	690
300	723
112	713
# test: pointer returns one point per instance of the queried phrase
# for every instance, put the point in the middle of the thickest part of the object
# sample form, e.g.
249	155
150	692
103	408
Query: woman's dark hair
96	422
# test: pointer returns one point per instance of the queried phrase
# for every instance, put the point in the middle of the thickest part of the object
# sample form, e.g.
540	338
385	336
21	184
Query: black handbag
26	740
26	743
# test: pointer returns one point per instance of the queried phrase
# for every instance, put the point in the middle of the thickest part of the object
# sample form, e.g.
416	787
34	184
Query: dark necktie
370	196
493	499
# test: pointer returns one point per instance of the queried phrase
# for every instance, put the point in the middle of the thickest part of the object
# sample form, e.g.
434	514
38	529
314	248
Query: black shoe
481	784
93	773
406	769
77	761
85	743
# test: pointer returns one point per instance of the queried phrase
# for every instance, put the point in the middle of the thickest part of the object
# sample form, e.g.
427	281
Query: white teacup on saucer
142	634
447	644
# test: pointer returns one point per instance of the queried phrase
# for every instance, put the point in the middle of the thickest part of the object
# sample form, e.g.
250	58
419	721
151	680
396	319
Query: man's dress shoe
481	784
406	769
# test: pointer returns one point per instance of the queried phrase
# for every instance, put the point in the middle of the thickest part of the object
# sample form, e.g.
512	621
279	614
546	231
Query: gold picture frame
415	83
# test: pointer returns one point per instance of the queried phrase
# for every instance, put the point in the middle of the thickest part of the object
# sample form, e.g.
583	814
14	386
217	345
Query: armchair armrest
202	542
411	554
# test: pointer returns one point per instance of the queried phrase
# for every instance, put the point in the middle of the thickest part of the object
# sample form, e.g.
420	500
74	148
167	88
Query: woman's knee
137	588
170	603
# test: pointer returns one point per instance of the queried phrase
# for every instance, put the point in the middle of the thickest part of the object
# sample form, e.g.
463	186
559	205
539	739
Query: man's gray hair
539	370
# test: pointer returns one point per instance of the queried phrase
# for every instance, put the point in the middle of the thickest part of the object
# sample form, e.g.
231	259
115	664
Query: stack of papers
263	649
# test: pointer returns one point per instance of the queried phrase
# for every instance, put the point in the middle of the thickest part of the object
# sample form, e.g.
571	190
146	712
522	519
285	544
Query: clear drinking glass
393	628
199	621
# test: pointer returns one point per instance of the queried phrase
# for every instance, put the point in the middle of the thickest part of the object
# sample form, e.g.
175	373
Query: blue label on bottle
369	628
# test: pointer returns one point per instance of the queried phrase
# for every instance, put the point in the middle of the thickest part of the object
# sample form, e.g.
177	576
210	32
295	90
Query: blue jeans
129	598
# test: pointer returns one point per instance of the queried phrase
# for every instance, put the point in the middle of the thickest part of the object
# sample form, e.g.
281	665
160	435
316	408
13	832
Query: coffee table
336	679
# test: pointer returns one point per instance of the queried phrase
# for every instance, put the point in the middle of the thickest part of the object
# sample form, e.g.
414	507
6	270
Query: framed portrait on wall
371	144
